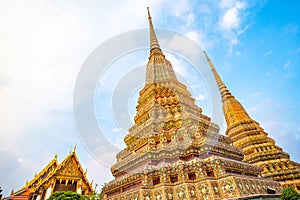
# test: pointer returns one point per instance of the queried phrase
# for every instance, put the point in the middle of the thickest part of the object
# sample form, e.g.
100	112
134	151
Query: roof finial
153	40
74	149
71	149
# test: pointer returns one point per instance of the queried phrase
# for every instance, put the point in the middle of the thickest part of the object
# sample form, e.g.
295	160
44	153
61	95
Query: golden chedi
174	151
259	149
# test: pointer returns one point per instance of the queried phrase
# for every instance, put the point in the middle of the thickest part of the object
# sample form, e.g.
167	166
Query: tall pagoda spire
248	135
153	39
159	69
233	110
222	87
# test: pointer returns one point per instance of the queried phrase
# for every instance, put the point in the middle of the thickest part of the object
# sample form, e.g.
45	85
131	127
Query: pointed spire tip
153	40
222	87
148	9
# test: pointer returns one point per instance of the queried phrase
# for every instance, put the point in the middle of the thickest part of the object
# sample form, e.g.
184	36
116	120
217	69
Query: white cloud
99	173
201	97
287	64
291	28
43	44
234	41
241	31
180	7
231	18
38	79
181	44
205	9
27	164
255	94
268	53
190	19
256	110
116	130
176	64
225	4
194	35
200	38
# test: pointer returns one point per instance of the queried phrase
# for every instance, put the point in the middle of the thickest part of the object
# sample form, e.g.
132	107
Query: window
173	178
210	174
156	181
62	186
192	176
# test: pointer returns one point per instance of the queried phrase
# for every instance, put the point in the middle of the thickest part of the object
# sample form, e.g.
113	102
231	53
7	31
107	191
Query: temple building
174	151
259	149
66	176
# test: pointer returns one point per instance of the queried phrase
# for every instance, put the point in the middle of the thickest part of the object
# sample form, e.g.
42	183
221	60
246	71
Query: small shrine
66	176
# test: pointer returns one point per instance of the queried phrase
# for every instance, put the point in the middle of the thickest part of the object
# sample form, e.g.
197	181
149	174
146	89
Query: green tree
289	194
95	196
66	196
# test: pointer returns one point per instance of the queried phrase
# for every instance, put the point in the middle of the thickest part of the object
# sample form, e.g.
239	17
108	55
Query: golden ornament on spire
153	40
159	69
222	87
74	149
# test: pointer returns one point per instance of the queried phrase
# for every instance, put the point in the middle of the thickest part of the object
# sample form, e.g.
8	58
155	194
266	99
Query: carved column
79	187
181	172
48	192
164	178
38	197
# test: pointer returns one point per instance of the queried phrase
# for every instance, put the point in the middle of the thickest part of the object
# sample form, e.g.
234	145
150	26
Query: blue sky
255	46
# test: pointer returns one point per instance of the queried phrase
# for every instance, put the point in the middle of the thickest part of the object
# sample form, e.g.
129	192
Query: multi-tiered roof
259	149
66	176
174	151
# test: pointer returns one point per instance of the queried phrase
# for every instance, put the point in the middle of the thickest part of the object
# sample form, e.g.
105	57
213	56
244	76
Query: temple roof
73	156
52	164
53	169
